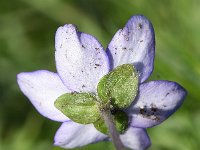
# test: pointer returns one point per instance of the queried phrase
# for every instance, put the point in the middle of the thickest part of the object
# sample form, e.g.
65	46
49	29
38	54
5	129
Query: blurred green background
27	29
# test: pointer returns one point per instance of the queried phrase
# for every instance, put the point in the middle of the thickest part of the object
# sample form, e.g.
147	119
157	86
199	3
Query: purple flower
81	62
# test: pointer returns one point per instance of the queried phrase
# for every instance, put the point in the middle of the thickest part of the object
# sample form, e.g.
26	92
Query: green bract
121	122
79	107
116	91
119	86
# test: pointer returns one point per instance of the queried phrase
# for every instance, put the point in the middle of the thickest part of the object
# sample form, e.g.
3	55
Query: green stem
114	135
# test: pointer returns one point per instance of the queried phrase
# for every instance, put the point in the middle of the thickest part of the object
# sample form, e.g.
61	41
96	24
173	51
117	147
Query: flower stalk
114	135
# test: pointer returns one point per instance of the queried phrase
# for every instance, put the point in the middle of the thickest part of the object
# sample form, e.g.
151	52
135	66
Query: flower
81	62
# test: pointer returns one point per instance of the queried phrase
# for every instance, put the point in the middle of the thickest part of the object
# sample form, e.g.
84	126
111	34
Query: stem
106	114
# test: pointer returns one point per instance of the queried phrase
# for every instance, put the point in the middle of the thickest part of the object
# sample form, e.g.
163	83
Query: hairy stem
114	135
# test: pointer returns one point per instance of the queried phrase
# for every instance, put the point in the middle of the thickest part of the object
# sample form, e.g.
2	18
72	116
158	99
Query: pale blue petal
42	88
134	44
72	135
155	102
136	139
80	59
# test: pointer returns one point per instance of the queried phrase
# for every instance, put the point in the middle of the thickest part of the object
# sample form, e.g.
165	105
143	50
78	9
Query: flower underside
115	92
84	87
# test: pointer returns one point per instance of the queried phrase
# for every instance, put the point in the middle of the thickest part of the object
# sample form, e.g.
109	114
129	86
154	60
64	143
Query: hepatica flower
95	89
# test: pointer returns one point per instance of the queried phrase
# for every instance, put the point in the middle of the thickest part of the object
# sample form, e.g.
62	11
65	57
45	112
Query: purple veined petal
136	138
156	101
134	44
43	88
80	59
72	135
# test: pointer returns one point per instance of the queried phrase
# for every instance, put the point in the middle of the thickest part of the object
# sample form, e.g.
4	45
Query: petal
80	59
71	135
136	138
43	88
156	101
134	44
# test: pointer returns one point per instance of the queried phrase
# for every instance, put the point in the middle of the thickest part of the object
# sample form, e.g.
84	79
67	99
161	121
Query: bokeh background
27	29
